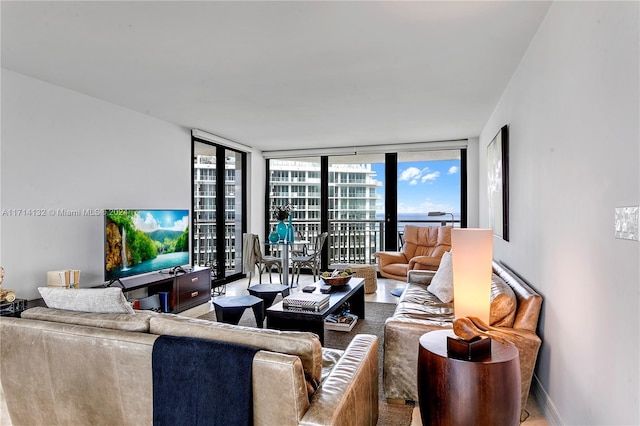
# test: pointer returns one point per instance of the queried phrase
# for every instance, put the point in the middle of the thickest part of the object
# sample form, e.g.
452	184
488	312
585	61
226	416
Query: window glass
297	182
429	182
222	254
427	186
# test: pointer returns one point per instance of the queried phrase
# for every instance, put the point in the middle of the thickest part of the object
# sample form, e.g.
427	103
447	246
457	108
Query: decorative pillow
125	322
109	300
442	282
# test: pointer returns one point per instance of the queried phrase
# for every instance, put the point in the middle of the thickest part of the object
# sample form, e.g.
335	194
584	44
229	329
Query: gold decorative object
473	339
469	328
5	295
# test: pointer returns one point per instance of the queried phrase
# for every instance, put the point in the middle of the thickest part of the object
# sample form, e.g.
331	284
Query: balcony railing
349	241
356	241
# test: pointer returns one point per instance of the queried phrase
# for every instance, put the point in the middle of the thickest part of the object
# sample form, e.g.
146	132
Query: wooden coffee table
300	320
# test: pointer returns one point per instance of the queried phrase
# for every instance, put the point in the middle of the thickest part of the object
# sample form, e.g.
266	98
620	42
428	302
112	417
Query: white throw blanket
248	253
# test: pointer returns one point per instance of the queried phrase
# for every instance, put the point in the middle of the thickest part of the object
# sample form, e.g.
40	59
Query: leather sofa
64	367
422	250
515	308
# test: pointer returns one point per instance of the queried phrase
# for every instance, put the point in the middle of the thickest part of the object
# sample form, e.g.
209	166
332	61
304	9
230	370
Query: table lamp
472	256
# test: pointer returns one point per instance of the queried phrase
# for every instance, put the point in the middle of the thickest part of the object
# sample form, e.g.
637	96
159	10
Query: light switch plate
627	219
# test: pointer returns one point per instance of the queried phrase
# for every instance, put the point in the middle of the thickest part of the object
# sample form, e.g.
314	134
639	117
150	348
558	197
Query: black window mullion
463	188
267	198
324	208
391	201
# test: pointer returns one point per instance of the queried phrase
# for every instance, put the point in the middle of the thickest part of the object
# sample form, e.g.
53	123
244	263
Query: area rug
389	414
376	314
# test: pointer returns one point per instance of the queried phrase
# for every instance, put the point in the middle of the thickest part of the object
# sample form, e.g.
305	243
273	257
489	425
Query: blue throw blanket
201	382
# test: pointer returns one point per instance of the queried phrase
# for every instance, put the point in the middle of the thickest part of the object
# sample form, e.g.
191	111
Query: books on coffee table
306	301
341	322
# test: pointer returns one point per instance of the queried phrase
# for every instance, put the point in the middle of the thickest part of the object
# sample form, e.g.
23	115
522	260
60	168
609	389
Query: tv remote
309	289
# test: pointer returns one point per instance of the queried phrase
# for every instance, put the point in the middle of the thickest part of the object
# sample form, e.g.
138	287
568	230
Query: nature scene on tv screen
141	241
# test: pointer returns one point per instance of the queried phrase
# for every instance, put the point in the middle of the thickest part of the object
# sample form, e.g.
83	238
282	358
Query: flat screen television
142	241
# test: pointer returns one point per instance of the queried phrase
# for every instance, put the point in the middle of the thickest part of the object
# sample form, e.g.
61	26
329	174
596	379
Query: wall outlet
627	219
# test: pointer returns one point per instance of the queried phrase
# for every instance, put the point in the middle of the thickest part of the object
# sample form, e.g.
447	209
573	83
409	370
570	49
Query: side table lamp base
469	350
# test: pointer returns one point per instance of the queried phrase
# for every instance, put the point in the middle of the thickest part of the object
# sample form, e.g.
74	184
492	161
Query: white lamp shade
472	255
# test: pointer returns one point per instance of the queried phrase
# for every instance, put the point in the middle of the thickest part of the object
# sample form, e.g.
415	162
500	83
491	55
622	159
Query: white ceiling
281	75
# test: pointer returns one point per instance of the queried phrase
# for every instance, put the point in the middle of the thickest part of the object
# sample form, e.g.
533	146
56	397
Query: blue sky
151	220
424	186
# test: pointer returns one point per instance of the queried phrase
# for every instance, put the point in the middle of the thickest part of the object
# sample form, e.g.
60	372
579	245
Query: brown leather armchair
423	248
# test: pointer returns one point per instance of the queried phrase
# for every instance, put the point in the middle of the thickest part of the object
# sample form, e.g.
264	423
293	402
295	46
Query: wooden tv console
186	290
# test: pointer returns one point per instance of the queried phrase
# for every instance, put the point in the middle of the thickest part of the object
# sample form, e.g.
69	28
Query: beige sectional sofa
62	367
515	308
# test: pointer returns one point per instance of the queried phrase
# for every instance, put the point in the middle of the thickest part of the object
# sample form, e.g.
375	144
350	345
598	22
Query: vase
281	229
274	237
291	232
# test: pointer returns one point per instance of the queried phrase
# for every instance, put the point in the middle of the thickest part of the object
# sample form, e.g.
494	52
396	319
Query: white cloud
410	174
180	224
424	207
414	176
146	224
408	208
453	170
430	176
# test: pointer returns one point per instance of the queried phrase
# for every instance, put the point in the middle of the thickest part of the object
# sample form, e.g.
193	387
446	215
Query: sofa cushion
442	282
503	303
124	322
98	300
417	302
304	345
330	358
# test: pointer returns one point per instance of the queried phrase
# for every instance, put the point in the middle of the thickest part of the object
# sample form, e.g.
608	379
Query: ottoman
370	275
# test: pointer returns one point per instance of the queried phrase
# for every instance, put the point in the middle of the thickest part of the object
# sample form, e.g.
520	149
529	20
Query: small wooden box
469	350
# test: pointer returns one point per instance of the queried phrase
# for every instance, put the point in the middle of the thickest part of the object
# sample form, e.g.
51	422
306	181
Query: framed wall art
498	183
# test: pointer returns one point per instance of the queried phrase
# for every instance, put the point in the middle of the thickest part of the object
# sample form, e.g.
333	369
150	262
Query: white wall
472	183
572	110
65	150
256	195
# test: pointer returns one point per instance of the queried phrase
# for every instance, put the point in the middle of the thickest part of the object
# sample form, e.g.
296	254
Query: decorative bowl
336	281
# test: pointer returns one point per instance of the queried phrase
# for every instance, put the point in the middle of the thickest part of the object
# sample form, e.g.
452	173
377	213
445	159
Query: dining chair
312	259
255	258
299	249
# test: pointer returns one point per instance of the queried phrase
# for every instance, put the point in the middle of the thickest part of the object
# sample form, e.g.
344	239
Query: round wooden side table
454	391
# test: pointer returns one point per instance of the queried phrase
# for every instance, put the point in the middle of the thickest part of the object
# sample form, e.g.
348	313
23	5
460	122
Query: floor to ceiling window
369	198
355	229
429	183
296	182
218	208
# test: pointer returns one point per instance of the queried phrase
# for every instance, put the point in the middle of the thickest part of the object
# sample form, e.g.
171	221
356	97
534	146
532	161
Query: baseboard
544	402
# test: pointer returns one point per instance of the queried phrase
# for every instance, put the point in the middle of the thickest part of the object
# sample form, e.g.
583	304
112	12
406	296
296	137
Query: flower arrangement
282	212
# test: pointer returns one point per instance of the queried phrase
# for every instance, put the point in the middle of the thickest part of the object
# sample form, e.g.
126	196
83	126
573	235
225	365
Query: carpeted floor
389	414
376	313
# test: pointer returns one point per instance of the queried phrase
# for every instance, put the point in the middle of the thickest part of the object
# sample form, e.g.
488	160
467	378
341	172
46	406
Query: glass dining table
284	247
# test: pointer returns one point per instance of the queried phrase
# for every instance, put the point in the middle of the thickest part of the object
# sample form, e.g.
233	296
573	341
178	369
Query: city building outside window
427	181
